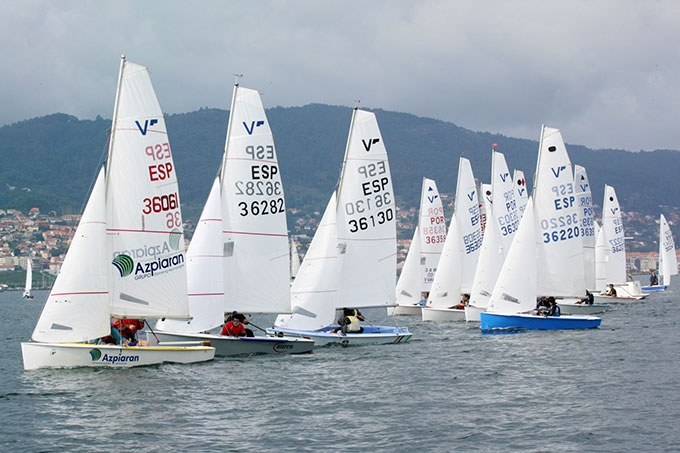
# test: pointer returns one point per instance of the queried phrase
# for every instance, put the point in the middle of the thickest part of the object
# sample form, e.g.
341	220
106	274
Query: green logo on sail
124	264
96	354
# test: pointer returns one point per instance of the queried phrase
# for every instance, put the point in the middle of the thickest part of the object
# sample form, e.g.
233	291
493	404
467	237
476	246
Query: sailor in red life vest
234	328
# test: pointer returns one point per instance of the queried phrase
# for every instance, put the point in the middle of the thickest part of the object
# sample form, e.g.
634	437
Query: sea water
616	388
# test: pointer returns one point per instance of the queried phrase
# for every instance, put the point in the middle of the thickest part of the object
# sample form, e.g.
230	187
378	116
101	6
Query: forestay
256	254
584	202
560	251
77	308
145	229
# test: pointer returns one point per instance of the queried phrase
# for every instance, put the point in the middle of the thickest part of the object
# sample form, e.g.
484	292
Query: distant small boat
668	261
29	280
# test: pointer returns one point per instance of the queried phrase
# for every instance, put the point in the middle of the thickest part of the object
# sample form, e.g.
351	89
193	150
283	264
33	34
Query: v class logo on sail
504	176
147	123
557	170
253	125
369	143
471	195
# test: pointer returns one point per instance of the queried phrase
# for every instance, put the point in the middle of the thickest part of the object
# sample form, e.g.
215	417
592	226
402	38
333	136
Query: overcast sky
607	73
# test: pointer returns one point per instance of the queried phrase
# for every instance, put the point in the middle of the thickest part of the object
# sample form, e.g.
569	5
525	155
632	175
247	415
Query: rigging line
100	162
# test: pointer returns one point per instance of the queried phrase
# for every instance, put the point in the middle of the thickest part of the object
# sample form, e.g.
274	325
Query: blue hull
654	288
532	322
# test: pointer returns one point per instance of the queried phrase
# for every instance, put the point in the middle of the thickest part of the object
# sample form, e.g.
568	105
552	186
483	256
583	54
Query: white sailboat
420	267
546	256
584	202
501	225
126	259
238	259
462	252
668	260
29	280
610	253
351	261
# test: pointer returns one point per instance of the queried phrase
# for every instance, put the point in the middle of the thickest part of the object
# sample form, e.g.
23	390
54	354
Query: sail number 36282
262	207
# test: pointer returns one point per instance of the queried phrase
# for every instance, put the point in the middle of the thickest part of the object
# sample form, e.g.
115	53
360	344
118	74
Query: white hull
601	298
472	313
403	310
227	346
630	289
71	355
442	314
572	308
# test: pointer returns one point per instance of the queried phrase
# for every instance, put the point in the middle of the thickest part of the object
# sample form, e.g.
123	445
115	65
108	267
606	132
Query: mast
538	161
231	116
344	160
115	117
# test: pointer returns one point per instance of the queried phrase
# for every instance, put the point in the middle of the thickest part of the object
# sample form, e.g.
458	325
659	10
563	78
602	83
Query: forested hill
50	162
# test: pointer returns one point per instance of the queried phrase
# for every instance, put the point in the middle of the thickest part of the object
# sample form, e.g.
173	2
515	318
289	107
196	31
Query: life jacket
353	324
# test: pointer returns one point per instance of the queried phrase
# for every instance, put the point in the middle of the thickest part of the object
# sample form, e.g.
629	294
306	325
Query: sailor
464	302
242	319
349	322
542	305
653	279
234	328
553	308
588	300
611	291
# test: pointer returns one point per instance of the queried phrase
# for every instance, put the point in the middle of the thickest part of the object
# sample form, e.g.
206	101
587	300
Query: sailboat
546	255
501	226
29	280
610	254
423	256
238	260
351	261
668	260
464	240
126	259
584	203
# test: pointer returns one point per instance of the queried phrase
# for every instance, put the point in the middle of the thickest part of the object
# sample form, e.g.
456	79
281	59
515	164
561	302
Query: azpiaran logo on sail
126	265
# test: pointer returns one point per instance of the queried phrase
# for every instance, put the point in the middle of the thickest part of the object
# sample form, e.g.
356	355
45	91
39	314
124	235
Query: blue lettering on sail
253	125
431	199
504	176
471	195
557	170
147	123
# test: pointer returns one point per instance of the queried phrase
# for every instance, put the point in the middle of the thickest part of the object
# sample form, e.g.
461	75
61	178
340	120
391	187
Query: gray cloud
607	73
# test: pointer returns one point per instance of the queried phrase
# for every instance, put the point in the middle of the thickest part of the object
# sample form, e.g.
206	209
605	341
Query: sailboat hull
72	355
492	321
572	308
371	335
472	313
228	346
654	288
404	310
442	314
